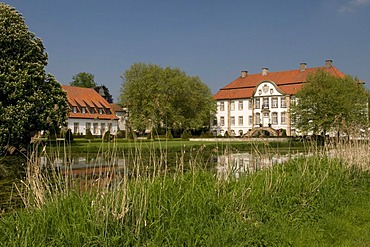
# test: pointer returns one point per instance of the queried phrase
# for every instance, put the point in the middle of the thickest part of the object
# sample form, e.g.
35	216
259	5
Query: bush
121	134
186	135
89	135
106	136
206	134
169	135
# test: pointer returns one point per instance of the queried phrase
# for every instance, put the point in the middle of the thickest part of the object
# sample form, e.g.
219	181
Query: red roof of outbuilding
288	82
82	97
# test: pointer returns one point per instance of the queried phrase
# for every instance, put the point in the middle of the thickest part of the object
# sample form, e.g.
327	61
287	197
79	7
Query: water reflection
244	163
81	166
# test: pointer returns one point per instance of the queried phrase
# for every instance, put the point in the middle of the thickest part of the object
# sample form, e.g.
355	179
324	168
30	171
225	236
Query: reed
321	199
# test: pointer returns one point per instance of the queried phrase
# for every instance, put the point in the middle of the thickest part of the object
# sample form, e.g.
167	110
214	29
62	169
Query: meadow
316	200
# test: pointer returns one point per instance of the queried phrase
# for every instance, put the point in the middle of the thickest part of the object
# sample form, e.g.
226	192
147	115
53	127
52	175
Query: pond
245	163
234	164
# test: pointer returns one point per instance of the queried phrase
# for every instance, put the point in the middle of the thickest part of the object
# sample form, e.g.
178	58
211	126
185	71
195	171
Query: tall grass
320	200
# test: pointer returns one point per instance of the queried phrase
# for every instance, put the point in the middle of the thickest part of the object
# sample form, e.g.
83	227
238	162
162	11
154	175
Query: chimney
302	66
265	71
328	63
244	73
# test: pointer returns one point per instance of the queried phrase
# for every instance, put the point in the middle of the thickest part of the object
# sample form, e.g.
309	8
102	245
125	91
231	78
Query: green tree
165	97
30	99
328	103
83	79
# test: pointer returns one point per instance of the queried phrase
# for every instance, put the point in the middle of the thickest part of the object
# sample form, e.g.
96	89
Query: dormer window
83	110
107	111
100	110
74	109
91	109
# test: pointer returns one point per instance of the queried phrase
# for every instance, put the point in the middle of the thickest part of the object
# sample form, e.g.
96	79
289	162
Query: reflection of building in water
244	163
79	166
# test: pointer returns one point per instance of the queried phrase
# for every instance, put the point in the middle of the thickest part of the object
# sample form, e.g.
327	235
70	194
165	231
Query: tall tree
167	97
328	103
30	99
83	79
104	92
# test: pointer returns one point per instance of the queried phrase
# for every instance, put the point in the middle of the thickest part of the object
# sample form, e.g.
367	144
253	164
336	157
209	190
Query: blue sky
212	39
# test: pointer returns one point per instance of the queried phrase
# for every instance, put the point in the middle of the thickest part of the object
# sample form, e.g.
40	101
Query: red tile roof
116	108
83	97
288	82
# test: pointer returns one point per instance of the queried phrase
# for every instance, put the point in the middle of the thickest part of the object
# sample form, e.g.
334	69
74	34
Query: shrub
106	136
121	134
169	135
89	135
186	135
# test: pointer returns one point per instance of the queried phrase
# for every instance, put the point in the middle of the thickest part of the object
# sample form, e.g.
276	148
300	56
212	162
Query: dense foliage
104	92
83	79
30	99
165	97
328	103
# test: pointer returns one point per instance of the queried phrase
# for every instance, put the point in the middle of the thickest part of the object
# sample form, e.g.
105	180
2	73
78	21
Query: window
274	102
74	109
100	110
257	118
96	128
102	128
222	121
274	116
232	120
83	110
282	118
292	101
110	127
265	102
214	122
91	109
250	120
75	128
257	104
250	104
222	106
240	106
232	105
88	127
107	111
283	102
240	120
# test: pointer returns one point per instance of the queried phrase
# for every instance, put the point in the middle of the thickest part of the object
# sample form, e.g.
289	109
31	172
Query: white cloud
352	5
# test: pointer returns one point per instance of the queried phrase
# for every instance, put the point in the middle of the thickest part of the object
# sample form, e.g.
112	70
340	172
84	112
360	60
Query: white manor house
260	103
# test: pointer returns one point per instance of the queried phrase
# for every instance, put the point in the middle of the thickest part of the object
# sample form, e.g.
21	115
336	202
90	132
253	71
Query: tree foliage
83	79
30	99
104	92
328	103
166	97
